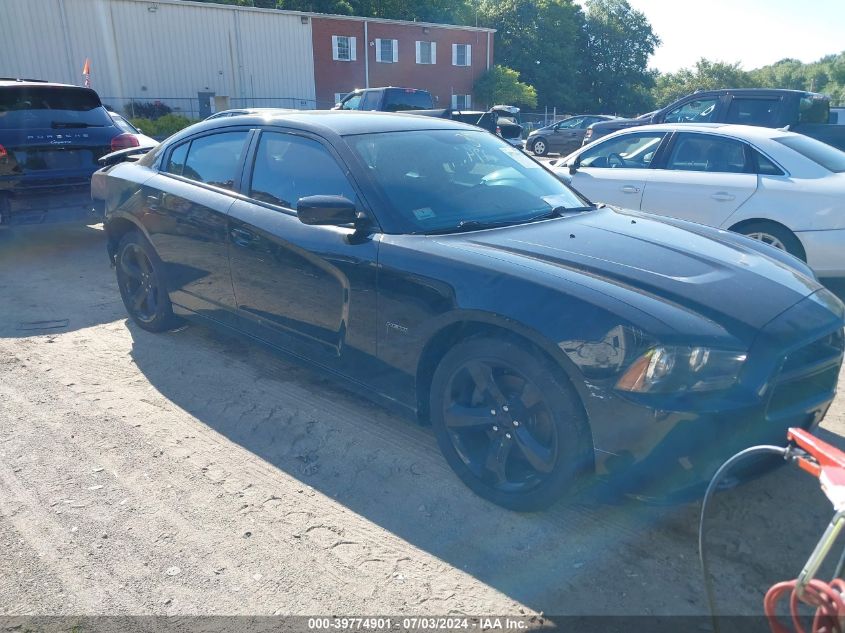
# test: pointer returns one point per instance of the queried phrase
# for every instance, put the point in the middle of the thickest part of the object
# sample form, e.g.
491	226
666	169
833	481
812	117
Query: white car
125	126
782	188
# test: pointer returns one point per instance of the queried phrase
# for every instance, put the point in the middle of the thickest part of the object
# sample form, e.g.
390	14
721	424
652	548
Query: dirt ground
192	473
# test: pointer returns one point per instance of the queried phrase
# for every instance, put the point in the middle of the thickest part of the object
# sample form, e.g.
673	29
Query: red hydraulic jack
827	464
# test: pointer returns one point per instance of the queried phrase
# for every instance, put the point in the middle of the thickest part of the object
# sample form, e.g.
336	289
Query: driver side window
630	151
351	103
570	123
697	111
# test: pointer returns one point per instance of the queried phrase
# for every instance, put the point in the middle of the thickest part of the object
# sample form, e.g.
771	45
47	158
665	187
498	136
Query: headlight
678	369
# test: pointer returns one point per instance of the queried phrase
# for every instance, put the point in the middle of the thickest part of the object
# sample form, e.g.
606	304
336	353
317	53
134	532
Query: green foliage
164	126
543	41
146	109
705	75
501	84
826	76
615	74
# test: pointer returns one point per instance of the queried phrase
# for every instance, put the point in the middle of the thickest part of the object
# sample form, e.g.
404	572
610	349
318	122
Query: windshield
27	107
442	180
820	153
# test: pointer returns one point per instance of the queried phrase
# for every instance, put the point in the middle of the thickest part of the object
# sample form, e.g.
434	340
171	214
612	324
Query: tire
775	235
522	465
142	284
540	147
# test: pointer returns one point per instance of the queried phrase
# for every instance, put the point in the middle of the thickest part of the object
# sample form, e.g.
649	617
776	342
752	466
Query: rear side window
761	112
289	167
765	166
820	153
407	99
703	152
27	107
215	159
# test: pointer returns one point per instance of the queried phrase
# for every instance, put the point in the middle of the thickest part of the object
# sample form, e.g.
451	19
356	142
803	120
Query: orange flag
86	69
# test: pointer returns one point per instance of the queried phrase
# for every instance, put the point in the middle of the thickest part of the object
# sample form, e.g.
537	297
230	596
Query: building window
461	102
343	48
426	52
387	51
461	55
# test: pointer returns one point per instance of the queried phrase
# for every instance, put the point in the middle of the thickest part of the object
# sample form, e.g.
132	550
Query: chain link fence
196	108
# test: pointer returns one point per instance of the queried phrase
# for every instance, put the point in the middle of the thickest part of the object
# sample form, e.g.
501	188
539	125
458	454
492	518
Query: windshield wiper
477	225
471	225
560	211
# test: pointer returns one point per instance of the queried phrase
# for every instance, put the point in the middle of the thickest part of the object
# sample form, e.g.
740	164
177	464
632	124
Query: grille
808	375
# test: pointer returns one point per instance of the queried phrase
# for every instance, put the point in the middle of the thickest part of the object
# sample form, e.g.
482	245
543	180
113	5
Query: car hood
715	275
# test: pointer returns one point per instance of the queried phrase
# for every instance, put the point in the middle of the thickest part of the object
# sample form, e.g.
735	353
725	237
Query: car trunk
50	140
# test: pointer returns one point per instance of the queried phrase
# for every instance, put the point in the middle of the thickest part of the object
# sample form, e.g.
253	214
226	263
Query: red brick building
353	52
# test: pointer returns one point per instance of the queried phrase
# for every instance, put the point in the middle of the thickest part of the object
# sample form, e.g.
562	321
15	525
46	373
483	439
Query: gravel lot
193	473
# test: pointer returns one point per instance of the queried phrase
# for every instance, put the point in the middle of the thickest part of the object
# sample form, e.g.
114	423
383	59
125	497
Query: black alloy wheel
508	424
141	284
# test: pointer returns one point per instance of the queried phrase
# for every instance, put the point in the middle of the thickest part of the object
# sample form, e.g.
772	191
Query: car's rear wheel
774	235
540	147
509	424
142	285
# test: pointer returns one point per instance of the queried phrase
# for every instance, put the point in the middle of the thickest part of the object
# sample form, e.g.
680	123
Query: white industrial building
165	50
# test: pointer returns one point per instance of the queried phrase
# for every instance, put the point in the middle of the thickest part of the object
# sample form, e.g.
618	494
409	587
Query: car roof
746	91
731	129
341	122
6	82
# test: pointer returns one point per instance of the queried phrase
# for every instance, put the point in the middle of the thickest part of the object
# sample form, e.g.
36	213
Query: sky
752	32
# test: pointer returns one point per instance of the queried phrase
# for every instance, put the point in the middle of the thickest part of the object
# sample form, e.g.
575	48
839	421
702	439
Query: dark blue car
51	136
550	343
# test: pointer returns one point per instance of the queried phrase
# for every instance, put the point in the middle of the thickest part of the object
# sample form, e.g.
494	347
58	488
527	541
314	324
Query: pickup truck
387	99
799	111
500	120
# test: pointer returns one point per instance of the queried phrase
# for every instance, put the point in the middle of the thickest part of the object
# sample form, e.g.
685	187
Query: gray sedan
564	136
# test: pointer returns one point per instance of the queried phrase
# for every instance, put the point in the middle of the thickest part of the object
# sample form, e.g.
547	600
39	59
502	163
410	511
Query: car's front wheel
540	147
140	278
509	424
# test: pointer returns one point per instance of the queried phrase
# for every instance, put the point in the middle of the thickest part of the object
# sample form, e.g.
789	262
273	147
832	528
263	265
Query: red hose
826	598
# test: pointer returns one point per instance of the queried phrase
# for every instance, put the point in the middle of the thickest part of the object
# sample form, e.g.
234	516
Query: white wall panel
166	49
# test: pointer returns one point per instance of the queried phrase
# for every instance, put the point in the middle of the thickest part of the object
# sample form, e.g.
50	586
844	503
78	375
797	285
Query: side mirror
326	210
573	166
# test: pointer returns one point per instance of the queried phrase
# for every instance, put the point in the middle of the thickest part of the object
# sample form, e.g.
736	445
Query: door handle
723	196
630	189
152	204
242	237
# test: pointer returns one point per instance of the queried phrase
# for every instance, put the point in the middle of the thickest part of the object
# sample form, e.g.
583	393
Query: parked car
241	111
782	188
837	116
501	120
435	268
51	136
387	99
563	136
803	112
127	127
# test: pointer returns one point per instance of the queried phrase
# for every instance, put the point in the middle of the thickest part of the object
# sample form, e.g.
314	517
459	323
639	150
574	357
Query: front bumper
667	449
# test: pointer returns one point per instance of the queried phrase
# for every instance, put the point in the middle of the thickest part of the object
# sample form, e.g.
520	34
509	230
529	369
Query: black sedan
432	266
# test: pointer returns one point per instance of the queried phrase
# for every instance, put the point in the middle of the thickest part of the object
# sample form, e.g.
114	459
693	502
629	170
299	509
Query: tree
501	84
620	41
706	75
542	40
